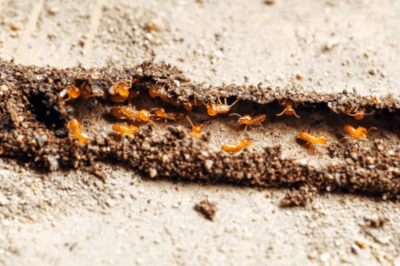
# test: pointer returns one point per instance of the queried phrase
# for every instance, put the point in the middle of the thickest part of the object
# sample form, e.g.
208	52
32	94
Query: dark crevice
43	114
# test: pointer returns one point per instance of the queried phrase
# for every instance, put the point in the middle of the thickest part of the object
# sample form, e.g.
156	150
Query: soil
113	213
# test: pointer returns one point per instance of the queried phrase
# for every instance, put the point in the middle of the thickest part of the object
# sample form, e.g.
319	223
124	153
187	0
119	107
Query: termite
313	139
359	133
129	112
156	91
289	110
219	108
197	130
122	89
233	148
189	104
120	99
160	112
73	92
76	129
359	113
124	129
250	121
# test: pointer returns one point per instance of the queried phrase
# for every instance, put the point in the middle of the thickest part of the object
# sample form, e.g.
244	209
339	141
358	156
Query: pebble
355	249
325	257
208	164
110	203
229	229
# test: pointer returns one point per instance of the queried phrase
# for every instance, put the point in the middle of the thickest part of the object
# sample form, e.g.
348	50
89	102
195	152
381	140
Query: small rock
152	172
312	255
110	203
208	209
372	71
355	249
229	230
269	2
325	257
208	164
53	10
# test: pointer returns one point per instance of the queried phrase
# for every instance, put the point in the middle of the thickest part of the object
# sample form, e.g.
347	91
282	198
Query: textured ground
72	216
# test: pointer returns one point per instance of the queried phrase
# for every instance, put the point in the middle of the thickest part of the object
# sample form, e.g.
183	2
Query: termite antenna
156	125
342	139
233	103
236	114
370	113
281	113
294	112
190	121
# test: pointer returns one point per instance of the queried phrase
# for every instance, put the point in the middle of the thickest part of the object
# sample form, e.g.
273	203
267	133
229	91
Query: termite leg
233	102
370	113
281	113
190	121
343	139
294	112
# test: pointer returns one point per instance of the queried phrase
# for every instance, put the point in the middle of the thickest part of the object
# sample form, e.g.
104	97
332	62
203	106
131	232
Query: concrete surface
72	218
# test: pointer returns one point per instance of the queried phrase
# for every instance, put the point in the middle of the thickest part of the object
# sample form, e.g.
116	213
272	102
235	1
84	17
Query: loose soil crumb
208	209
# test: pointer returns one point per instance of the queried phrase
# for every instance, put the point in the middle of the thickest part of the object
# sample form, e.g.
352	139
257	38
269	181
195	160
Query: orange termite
219	108
122	89
233	148
124	129
86	92
129	112
189	104
197	130
73	92
313	139
120	99
359	113
250	121
288	108
156	91
76	129
359	133
160	112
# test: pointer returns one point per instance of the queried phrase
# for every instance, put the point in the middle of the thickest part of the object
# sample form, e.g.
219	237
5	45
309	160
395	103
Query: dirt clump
206	208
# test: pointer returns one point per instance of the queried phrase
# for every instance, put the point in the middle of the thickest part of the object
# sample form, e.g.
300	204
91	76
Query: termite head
123	90
73	92
245	143
144	115
160	112
211	110
154	91
197	129
322	139
188	106
246	119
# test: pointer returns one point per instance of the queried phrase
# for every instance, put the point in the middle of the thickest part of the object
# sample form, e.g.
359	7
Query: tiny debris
355	249
296	198
375	220
362	244
53	10
269	2
14	27
325	257
312	255
206	208
372	71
